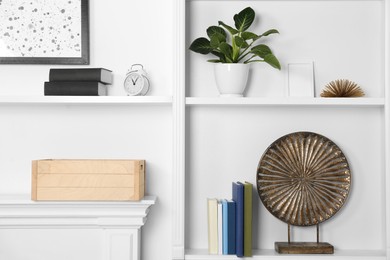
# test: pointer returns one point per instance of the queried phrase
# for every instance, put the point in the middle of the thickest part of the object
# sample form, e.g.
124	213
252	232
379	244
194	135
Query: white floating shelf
86	100
271	0
285	101
201	254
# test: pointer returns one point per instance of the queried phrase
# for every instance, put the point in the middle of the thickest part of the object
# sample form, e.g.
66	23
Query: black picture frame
82	59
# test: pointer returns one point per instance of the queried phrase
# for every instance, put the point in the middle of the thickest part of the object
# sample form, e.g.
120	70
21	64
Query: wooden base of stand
303	248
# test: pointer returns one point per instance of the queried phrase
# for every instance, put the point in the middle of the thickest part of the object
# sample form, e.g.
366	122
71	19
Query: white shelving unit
220	140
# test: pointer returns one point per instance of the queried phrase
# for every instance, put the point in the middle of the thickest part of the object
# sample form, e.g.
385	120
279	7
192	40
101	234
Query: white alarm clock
136	82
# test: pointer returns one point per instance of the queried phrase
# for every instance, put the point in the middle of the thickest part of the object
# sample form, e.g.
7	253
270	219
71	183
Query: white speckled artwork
40	28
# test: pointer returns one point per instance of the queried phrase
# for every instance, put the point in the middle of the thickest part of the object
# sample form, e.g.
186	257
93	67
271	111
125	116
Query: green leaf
216	31
244	19
229	28
240	42
220	55
272	60
227	50
201	45
272	31
214	61
261	50
248	35
214	41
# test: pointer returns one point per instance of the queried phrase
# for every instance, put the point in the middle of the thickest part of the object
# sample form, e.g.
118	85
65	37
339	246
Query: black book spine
91	74
75	89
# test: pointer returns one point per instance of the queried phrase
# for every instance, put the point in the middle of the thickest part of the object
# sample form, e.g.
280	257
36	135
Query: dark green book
248	219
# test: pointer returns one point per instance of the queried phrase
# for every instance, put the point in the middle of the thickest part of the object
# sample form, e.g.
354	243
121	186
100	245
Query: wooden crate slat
90	166
86	180
86	194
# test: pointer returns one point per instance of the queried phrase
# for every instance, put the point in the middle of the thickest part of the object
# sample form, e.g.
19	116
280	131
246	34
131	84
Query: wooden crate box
116	180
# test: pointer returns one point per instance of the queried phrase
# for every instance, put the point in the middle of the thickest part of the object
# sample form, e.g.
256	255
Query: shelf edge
283	101
85	100
201	254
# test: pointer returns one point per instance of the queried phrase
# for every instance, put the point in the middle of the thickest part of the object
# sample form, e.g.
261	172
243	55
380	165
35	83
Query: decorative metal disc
303	178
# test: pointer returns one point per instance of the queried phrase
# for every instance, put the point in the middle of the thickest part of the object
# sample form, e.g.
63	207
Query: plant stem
240	58
235	49
243	55
248	61
229	60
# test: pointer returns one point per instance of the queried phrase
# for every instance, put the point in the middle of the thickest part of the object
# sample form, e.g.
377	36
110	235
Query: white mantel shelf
119	223
20	211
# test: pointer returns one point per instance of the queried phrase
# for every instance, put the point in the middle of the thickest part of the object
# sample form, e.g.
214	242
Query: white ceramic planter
231	78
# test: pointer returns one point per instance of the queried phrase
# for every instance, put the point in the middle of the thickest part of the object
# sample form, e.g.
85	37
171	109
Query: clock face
134	83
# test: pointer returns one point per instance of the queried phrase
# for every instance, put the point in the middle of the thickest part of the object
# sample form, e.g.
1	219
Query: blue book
229	227
238	197
224	227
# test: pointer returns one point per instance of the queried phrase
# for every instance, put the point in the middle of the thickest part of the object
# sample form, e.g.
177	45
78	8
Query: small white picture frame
300	79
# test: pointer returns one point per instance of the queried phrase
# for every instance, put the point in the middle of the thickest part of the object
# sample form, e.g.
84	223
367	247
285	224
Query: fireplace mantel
120	222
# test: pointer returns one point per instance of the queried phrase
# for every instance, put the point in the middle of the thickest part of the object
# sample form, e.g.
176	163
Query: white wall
122	33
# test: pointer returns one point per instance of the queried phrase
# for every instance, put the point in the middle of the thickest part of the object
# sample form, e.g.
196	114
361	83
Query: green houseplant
235	49
242	48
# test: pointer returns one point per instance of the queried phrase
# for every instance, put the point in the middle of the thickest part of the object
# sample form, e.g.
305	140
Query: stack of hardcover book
78	82
230	222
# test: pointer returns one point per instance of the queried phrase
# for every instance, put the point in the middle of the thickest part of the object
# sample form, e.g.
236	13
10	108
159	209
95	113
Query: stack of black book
78	82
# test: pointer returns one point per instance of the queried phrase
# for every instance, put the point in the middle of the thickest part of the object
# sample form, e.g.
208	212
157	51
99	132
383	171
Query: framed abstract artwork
44	32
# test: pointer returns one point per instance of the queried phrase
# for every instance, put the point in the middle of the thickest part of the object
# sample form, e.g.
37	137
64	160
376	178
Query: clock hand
134	82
